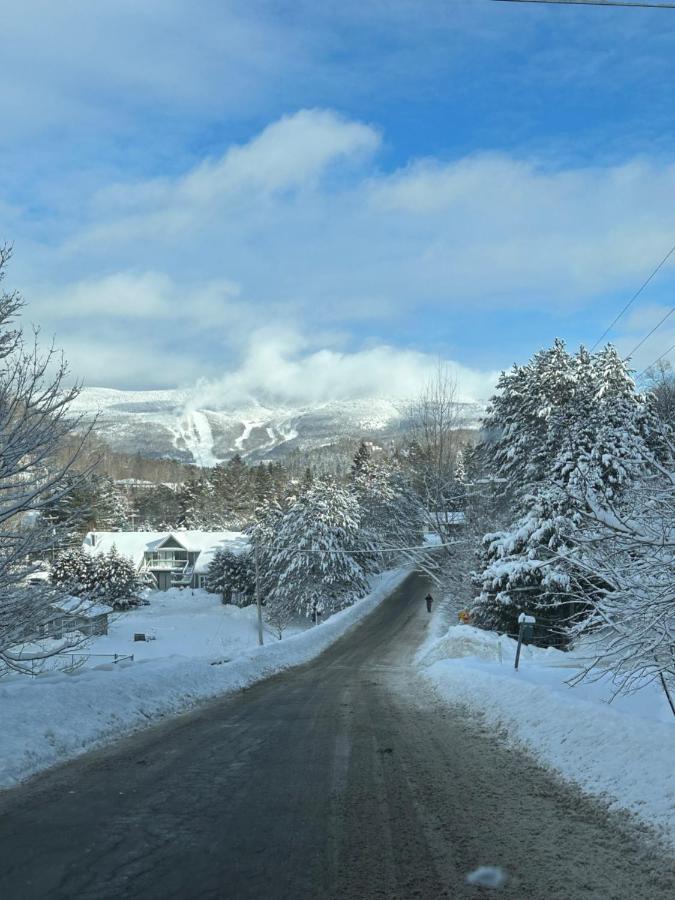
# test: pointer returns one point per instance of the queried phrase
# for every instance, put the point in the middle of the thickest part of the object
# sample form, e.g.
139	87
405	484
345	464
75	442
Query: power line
655	328
644	283
381	549
657	360
638	3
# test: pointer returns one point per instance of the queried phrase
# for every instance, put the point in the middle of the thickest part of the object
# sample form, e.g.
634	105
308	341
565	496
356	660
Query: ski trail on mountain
245	435
195	431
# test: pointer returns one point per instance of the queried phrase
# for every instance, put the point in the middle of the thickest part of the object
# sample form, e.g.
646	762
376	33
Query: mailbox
525	632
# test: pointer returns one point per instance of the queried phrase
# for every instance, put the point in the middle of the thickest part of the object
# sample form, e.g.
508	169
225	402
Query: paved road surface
340	779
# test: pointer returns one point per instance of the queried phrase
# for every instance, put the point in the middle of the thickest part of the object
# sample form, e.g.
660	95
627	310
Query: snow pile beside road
464	640
622	752
53	717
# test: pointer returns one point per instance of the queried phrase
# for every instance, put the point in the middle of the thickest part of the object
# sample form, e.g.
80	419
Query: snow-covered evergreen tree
234	489
108	577
231	574
563	431
74	570
263	536
113	509
313	567
362	460
390	511
117	579
460	468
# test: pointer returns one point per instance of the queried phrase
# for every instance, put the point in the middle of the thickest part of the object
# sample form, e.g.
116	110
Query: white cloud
494	224
145	330
281	369
488	229
292	152
137	295
289	153
262	236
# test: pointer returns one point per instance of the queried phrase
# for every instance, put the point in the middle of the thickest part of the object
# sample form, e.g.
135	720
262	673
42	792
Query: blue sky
320	200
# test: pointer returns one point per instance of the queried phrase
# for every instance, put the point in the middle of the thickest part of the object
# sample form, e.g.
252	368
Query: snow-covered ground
623	751
200	651
187	623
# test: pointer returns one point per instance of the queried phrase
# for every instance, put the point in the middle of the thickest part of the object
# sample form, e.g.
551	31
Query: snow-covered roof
144	483
41	575
77	606
236	542
135	544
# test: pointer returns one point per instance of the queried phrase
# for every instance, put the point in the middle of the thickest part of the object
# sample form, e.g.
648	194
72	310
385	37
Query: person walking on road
429	600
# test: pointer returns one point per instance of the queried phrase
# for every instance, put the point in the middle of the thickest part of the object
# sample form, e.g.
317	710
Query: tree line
567	501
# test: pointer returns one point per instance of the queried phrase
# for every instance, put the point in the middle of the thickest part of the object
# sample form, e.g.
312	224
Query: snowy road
340	779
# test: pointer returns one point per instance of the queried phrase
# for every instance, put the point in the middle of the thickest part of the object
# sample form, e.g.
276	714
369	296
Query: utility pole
257	593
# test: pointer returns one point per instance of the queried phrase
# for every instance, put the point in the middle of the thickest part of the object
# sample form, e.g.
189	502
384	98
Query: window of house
167	559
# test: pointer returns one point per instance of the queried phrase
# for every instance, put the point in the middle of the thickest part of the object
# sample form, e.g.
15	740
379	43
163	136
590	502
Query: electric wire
657	360
635	295
649	334
638	3
425	547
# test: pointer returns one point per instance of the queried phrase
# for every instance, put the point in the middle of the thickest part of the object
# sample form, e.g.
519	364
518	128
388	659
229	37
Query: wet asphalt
344	778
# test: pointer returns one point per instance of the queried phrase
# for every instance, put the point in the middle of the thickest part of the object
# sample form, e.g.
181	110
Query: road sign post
525	632
258	602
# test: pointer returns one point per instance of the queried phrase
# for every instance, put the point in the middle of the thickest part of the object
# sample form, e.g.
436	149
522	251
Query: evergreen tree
263	535
234	492
263	484
106	577
113	509
362	460
563	432
390	511
191	499
117	579
231	574
313	568
158	507
460	468
74	570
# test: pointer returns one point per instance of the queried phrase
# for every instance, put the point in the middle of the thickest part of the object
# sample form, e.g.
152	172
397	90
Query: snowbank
623	752
50	718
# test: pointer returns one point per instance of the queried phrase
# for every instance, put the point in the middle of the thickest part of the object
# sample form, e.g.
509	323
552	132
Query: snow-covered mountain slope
171	423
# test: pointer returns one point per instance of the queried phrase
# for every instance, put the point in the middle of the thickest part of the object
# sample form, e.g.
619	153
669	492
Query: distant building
445	522
168	559
76	614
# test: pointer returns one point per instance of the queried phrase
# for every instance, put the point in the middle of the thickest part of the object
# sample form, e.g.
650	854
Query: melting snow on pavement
623	751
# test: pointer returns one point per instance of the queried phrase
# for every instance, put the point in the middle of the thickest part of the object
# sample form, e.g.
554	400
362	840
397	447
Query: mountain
172	424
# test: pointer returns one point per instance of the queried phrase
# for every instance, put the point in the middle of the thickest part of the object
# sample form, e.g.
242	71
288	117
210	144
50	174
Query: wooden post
521	628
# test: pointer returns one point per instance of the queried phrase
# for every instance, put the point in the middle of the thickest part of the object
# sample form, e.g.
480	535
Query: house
445	522
168	559
76	614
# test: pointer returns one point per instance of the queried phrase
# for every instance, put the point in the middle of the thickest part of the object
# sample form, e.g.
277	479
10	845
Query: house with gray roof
168	559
